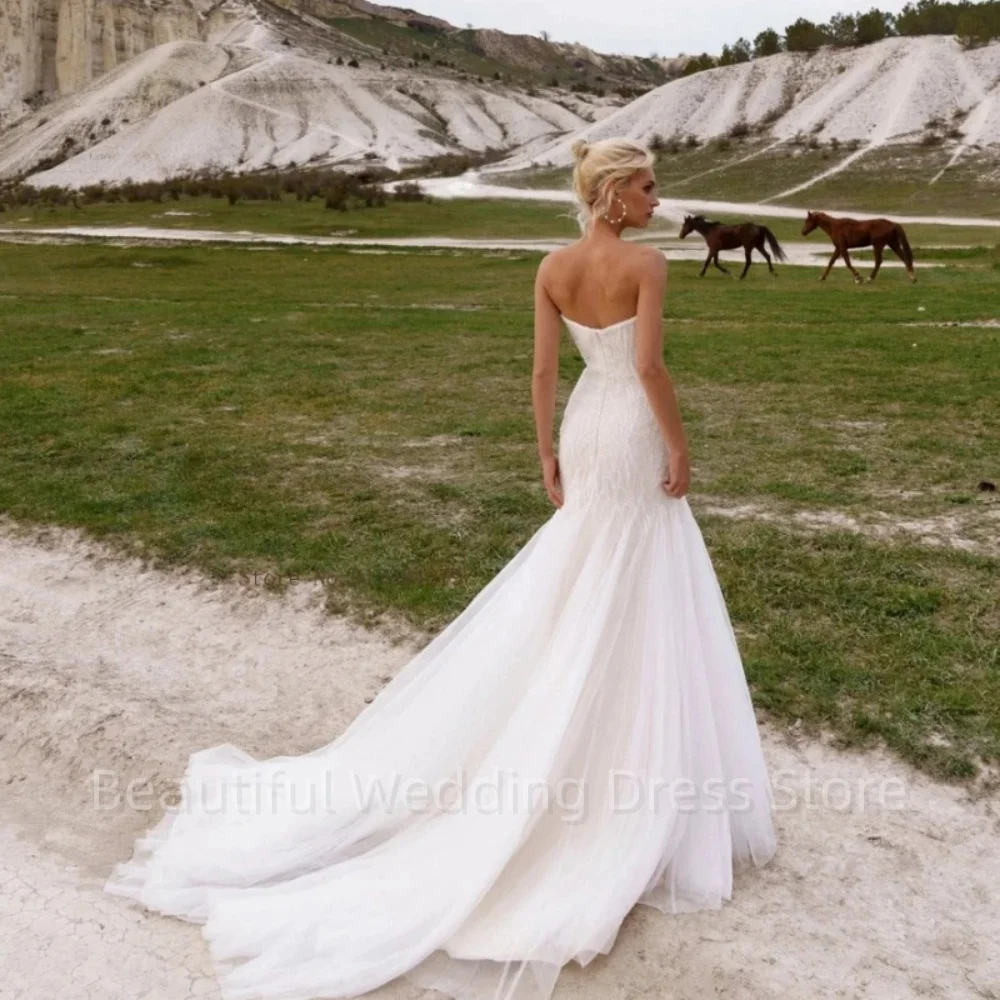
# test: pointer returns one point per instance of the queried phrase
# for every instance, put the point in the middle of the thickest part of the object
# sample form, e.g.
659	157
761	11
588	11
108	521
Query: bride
579	740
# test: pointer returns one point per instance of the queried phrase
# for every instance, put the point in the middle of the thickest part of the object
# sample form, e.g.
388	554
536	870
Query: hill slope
281	82
893	90
54	48
93	91
186	106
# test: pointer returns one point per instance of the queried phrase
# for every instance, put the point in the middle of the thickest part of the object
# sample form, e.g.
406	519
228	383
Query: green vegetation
975	23
461	53
471	219
982	256
367	419
461	218
895	178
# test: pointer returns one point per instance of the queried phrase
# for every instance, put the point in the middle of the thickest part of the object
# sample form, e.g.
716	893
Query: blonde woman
578	741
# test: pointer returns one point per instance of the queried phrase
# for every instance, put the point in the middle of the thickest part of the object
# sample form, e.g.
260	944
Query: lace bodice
611	451
609	350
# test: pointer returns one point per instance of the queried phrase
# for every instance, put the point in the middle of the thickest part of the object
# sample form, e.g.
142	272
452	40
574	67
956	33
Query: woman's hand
678	474
550	474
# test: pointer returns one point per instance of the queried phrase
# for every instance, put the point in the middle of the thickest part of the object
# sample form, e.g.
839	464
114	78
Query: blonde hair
597	163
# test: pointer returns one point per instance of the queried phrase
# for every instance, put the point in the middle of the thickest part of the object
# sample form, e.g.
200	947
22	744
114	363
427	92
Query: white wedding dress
599	664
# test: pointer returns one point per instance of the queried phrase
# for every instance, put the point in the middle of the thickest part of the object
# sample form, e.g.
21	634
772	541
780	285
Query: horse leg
901	248
718	265
829	267
897	249
708	260
878	261
749	253
767	257
847	260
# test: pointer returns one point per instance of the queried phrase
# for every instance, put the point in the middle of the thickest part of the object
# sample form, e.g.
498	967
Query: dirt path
110	667
474	185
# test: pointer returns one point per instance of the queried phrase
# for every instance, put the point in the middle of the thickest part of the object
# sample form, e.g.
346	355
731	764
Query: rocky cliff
50	48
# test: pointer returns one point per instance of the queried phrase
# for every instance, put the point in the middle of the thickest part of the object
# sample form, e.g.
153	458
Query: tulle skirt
579	740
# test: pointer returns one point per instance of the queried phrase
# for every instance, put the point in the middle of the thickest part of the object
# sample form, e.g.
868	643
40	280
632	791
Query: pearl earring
621	218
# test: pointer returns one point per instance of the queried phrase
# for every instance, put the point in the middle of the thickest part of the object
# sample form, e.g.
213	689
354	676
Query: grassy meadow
469	219
473	219
364	416
900	178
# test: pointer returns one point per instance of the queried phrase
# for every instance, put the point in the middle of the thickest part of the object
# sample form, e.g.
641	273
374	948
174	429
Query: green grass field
471	219
366	418
891	179
464	218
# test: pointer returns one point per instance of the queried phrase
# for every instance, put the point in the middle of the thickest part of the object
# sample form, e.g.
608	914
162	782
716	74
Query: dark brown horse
749	236
849	234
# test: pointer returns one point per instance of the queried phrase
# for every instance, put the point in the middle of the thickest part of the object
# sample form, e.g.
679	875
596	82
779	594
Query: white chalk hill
876	94
249	99
185	106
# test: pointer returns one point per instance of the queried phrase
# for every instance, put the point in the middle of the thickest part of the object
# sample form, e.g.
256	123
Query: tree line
974	23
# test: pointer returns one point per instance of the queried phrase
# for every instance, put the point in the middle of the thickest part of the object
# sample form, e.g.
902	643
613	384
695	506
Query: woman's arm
544	375
653	372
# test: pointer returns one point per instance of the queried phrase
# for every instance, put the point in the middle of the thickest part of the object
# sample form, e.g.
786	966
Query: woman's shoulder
566	252
651	257
632	255
646	261
555	260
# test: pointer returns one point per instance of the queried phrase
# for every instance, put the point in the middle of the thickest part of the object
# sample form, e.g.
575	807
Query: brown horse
749	236
849	234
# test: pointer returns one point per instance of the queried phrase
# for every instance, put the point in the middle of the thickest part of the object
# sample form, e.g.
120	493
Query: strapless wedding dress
579	740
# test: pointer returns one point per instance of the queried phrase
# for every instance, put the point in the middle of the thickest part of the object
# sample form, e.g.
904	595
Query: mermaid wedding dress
579	740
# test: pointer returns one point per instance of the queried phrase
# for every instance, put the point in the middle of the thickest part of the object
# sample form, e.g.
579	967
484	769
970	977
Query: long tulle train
579	740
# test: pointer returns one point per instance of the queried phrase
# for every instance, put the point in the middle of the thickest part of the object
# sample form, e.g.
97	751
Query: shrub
978	25
804	36
767	43
698	64
408	191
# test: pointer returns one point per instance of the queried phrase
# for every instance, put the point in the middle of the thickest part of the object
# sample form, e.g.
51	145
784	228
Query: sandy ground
884	885
976	530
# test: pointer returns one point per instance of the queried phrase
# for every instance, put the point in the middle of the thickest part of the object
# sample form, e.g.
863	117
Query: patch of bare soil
884	884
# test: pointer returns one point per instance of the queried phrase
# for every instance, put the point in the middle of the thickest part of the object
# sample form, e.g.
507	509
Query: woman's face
639	195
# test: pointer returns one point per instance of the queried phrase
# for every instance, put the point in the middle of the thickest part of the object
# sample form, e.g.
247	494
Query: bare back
596	284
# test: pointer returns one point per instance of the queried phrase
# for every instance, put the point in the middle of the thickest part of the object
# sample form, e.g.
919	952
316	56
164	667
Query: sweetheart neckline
599	329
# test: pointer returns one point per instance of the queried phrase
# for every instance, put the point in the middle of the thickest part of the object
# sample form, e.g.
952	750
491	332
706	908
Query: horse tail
905	244
772	242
